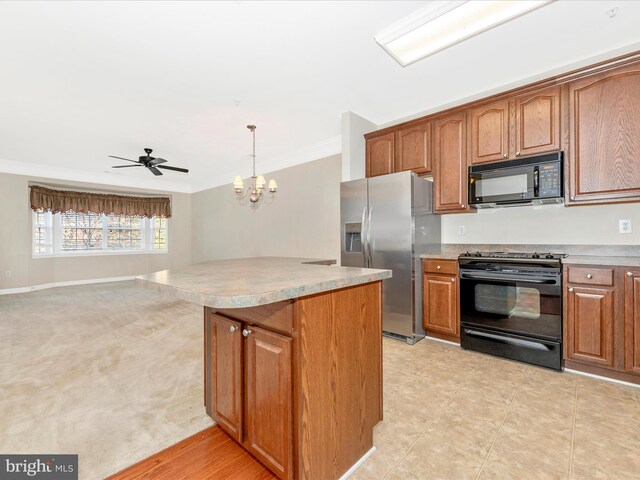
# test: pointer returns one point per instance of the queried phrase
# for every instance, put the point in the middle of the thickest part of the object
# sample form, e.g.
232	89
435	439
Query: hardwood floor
210	454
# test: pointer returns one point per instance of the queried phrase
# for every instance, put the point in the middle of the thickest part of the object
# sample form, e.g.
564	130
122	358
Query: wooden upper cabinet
489	126
224	367
413	149
380	155
450	164
268	404
537	122
632	320
604	137
589	326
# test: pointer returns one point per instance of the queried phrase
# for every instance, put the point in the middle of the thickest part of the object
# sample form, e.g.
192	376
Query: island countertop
250	282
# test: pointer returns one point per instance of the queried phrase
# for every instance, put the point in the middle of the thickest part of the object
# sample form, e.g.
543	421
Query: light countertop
249	282
440	256
602	260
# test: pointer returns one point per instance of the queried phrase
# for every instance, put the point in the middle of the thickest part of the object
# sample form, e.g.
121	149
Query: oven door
505	185
514	303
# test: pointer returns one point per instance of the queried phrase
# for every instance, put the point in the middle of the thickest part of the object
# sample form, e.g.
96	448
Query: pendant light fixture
255	192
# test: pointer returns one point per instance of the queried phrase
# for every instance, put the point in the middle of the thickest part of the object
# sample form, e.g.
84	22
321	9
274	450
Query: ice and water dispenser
353	238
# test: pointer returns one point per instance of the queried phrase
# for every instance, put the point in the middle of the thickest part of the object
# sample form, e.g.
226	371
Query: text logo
45	467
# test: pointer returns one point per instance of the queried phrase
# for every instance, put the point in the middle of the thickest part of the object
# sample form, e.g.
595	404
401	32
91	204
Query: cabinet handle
571	290
629	274
233	328
517	154
453	280
589	276
438	267
246	332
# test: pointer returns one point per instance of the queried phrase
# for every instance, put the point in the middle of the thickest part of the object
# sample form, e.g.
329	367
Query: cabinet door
450	175
490	133
224	372
268	406
538	122
380	155
413	149
632	321
604	136
440	304
590	324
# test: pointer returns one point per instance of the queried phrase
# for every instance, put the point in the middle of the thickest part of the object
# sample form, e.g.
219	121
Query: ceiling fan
152	163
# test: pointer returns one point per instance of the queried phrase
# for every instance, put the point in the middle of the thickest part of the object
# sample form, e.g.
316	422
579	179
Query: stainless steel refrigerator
387	222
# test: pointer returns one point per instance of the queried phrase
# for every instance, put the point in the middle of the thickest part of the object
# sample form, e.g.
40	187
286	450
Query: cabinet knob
589	276
246	332
453	280
462	206
571	290
629	274
504	155
233	328
438	267
517	154
573	198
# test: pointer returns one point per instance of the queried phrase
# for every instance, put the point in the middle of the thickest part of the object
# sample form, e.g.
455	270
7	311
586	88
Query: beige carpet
110	371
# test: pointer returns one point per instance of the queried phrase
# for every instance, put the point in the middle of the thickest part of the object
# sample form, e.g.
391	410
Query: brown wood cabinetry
589	325
380	152
413	149
440	299
604	135
271	381
450	164
632	320
489	127
537	122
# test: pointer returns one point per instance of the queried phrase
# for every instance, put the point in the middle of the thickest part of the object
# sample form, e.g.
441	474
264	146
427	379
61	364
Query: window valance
84	202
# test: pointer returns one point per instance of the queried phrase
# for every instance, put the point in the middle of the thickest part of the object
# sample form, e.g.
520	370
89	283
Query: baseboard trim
441	340
9	291
357	465
600	377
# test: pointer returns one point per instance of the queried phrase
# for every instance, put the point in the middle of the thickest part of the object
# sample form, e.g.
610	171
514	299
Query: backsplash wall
546	224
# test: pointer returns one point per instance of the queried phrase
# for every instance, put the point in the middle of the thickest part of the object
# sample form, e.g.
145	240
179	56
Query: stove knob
466	254
478	254
535	255
549	255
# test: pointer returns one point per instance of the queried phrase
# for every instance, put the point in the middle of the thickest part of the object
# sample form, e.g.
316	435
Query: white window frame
53	224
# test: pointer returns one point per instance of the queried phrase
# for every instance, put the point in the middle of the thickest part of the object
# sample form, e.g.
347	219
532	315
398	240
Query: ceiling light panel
442	24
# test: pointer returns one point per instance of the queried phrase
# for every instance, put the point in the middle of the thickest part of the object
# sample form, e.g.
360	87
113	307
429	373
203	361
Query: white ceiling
83	80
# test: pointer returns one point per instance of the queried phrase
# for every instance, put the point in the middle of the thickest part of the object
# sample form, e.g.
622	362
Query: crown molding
103	178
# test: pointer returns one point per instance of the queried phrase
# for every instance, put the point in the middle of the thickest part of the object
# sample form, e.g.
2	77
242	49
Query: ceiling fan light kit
256	190
151	163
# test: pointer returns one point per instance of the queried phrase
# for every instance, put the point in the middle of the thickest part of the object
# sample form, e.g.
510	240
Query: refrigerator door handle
369	237
363	237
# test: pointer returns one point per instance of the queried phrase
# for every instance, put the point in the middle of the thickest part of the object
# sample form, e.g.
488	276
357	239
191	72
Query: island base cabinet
268	399
632	321
248	389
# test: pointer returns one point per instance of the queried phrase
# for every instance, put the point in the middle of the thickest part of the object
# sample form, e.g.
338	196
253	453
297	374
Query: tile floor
454	414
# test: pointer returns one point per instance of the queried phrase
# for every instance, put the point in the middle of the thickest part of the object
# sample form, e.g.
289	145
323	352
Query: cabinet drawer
274	316
591	275
440	266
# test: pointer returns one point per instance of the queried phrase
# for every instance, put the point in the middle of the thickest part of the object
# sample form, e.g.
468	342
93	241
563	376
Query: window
74	233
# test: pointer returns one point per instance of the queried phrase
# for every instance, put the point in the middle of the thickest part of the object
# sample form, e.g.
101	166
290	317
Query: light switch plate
625	226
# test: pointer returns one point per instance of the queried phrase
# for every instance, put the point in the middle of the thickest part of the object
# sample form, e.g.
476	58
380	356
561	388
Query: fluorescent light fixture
442	24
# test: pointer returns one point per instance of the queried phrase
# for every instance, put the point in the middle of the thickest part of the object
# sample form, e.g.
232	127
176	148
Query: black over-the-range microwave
524	181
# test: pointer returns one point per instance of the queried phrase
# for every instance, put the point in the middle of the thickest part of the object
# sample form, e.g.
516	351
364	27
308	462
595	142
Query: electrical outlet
625	226
461	230
7	274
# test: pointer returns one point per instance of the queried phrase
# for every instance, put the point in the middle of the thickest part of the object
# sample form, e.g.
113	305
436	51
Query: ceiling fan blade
156	161
127	159
155	171
126	166
176	169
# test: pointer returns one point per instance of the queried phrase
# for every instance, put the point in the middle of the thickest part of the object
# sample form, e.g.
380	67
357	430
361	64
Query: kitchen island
293	357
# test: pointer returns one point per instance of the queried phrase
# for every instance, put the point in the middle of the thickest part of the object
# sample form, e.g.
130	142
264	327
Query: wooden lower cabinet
280	379
589	325
632	320
441	299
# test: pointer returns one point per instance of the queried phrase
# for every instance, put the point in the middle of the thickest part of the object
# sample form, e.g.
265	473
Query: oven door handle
508	340
523	279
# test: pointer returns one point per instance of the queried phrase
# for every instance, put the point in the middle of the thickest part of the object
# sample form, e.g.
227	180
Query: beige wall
15	242
595	225
303	220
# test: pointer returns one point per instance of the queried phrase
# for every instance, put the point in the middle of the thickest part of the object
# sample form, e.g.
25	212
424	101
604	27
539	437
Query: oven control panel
550	180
